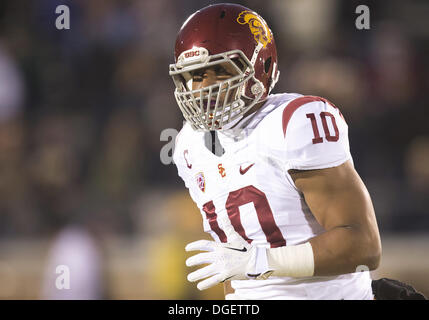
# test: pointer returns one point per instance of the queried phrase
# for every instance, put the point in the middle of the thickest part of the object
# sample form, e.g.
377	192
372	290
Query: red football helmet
219	34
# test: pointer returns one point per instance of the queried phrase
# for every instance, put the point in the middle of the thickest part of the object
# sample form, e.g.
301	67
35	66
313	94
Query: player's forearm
341	204
338	251
343	249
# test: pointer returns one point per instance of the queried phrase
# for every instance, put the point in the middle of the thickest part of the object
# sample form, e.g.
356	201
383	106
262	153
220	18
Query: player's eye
199	76
220	70
222	73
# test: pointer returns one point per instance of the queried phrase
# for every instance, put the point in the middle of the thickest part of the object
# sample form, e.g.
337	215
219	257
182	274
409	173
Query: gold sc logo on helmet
257	25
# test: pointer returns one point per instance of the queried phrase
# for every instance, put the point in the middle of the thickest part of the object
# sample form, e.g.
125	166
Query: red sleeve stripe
298	102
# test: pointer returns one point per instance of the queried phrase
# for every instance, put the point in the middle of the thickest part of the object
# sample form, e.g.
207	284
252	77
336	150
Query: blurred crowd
81	110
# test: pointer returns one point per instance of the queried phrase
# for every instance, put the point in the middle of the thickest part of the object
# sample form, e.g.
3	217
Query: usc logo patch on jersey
221	170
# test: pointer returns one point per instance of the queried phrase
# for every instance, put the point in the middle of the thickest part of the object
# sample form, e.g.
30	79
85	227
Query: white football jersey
249	187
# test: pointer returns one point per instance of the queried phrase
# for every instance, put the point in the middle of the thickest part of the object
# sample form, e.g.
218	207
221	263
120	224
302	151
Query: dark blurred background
82	110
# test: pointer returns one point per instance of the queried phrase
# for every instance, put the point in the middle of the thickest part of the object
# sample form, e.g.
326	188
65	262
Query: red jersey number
265	216
328	136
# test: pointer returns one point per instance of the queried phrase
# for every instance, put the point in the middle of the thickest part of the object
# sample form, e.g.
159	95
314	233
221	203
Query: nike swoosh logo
243	171
253	275
236	249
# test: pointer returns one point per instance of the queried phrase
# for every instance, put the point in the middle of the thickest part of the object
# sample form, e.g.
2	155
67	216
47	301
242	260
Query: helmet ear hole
267	65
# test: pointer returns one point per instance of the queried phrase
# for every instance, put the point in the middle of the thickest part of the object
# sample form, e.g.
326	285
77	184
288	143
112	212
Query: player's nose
209	78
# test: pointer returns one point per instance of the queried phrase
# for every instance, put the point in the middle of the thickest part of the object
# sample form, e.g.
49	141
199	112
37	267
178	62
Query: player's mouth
209	105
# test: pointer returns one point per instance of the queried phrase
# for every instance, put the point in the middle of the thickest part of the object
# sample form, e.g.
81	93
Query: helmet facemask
217	106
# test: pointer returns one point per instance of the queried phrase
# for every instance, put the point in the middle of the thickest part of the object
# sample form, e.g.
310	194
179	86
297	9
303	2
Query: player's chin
213	117
215	126
210	118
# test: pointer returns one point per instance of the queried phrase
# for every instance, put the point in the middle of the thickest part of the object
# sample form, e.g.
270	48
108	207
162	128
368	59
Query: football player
272	174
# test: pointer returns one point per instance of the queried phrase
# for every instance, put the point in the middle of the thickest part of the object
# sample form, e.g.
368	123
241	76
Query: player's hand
225	260
234	260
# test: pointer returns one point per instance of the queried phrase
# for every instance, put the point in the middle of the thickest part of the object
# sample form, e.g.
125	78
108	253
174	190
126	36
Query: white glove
237	260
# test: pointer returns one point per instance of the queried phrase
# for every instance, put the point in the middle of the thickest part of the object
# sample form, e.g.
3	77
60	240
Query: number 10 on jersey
265	216
317	138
